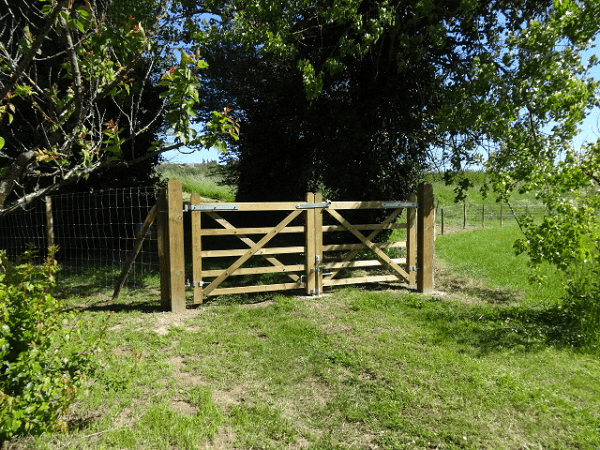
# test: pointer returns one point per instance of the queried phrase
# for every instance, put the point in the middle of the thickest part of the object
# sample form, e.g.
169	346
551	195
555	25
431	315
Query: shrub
43	357
582	301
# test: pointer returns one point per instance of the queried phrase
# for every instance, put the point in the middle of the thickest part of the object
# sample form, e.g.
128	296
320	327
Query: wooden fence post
411	240
483	216
49	222
173	270
464	215
196	251
501	217
425	236
442	218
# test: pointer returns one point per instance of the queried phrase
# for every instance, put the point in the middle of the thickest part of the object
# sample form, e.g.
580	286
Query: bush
582	301
42	354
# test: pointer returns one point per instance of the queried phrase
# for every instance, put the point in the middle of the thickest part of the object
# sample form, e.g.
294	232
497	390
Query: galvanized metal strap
211	208
400	205
324	204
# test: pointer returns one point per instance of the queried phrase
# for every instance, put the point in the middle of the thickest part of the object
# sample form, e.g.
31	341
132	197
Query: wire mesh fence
463	216
95	232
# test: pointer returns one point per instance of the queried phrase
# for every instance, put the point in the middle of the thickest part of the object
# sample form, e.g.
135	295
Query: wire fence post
49	222
482	216
425	230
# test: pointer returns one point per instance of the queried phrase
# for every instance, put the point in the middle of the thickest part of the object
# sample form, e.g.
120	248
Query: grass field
488	362
202	180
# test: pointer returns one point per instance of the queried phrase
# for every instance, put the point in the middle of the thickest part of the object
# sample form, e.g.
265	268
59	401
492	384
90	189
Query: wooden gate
309	245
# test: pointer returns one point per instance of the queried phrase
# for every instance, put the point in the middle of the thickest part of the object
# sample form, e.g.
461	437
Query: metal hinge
325	204
412	268
196	283
211	208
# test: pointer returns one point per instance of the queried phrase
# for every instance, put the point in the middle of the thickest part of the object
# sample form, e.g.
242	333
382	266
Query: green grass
487	254
445	195
486	363
201	179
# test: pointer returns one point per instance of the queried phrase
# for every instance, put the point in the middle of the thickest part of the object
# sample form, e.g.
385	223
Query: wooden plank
385	258
411	241
365	227
213	273
311	263
361	205
249	242
244	232
425	231
260	252
257	288
252	251
255	206
139	241
197	251
358	247
359	263
176	246
359	280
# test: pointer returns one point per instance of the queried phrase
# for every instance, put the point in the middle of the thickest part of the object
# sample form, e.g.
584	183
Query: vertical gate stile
309	252
411	241
197	251
176	247
318	217
425	229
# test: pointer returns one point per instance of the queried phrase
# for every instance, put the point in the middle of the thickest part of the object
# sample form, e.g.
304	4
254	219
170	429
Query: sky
590	132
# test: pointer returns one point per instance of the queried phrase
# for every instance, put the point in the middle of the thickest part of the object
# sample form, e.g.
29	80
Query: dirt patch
224	439
183	407
450	285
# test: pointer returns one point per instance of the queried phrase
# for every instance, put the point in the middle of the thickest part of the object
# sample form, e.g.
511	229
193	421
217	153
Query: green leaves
44	357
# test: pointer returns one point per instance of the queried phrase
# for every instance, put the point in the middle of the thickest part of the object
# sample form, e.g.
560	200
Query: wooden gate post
425	230
197	251
310	265
172	278
411	240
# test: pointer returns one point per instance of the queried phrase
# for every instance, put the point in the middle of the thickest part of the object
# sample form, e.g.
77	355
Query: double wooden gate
308	245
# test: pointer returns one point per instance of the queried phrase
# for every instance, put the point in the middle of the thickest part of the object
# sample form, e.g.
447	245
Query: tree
459	80
62	65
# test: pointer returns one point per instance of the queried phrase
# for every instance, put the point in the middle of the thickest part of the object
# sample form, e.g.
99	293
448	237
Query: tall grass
200	178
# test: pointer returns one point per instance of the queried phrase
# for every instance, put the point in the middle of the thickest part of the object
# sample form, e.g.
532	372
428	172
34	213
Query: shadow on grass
489	329
119	307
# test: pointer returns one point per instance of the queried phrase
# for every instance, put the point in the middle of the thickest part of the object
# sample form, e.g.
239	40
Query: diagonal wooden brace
249	242
371	236
257	246
400	273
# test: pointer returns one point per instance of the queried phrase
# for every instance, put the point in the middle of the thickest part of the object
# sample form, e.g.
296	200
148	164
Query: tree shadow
488	329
